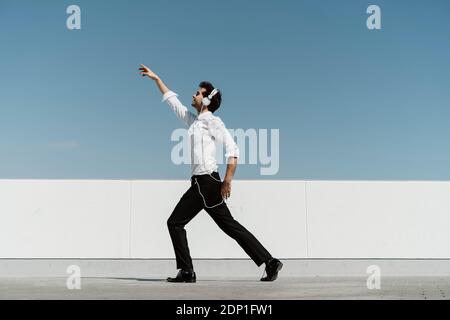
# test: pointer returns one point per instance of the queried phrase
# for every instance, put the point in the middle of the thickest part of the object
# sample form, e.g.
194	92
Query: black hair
216	100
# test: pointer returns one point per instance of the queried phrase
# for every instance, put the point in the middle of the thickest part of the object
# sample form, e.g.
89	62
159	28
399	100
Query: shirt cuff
234	153
168	94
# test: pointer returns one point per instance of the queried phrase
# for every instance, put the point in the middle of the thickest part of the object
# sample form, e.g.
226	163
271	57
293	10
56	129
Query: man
207	191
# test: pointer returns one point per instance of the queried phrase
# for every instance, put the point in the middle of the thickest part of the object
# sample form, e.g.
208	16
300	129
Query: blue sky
350	103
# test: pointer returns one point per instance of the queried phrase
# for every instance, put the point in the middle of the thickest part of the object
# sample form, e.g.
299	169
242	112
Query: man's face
197	99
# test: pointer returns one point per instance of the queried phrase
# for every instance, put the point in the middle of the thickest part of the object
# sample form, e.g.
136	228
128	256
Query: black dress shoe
272	268
184	276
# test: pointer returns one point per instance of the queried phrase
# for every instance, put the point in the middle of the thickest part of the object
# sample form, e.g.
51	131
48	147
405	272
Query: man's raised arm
145	71
171	97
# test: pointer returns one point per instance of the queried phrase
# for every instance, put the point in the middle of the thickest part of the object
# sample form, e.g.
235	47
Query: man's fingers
225	194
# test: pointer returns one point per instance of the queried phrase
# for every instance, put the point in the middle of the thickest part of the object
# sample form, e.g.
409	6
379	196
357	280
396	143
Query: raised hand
145	71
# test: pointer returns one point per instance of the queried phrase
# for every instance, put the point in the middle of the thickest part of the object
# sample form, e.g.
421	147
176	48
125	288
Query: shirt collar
204	115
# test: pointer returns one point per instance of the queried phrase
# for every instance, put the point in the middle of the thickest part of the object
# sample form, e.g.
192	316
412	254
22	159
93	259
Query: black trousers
204	193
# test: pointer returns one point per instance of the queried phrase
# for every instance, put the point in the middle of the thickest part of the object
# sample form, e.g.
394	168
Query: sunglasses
197	93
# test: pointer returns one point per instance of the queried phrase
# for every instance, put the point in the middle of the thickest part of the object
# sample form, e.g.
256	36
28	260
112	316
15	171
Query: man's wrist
227	179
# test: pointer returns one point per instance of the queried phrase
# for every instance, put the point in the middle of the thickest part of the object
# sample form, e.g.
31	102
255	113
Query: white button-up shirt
205	130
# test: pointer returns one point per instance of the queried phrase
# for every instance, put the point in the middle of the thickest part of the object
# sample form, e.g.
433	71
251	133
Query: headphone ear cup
206	102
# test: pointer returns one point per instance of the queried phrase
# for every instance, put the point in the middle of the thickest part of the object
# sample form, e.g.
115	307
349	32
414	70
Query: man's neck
203	111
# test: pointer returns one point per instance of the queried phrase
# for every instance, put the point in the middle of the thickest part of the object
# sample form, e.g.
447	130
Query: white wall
293	219
378	219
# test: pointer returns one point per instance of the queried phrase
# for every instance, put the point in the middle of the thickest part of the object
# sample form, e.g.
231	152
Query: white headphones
207	100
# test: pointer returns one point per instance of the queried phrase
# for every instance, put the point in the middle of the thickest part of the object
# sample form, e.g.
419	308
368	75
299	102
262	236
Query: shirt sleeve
222	135
180	110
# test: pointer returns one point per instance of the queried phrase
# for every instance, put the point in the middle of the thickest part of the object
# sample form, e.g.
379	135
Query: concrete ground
432	288
236	280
